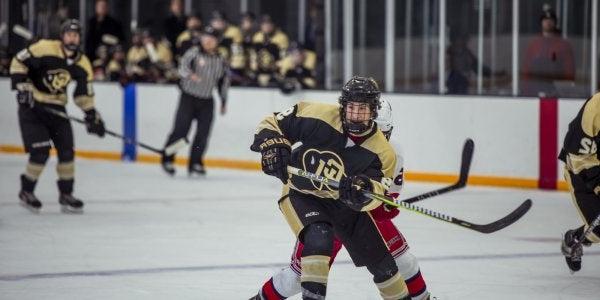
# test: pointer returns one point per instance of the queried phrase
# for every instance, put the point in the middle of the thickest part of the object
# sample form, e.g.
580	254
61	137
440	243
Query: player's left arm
381	175
582	158
84	91
84	96
223	86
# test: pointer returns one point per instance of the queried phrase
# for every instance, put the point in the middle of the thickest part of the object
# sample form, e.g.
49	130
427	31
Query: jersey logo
323	163
588	146
57	80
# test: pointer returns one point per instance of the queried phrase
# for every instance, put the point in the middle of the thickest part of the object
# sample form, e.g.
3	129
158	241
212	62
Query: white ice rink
146	236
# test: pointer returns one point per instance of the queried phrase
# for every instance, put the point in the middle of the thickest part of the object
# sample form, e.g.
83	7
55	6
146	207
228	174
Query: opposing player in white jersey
286	282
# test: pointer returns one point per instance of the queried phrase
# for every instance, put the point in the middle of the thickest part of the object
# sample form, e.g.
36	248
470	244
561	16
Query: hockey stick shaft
169	150
485	228
589	230
465	166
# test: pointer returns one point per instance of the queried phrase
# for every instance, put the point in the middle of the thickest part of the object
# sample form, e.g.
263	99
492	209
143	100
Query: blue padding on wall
129	121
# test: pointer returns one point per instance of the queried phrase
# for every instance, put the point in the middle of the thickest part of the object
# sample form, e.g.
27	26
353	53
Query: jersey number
280	116
330	169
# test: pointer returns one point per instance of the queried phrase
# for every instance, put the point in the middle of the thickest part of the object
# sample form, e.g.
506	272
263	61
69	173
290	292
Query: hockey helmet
362	90
384	119
70	25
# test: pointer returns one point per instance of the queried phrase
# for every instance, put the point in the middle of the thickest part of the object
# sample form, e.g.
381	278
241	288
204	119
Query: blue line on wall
129	121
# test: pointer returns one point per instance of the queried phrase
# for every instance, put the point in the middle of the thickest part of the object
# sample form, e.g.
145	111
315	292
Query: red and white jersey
395	184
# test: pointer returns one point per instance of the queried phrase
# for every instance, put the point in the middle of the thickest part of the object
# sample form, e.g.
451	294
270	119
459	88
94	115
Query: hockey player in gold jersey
40	75
582	172
340	142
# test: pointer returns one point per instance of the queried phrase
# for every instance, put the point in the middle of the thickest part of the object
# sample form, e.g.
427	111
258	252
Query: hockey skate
70	204
196	170
166	162
30	201
572	249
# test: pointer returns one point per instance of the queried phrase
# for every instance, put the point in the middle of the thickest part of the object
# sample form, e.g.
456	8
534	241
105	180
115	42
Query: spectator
230	46
115	70
297	69
149	60
174	24
99	64
55	22
190	36
248	29
101	26
548	58
270	44
137	58
462	65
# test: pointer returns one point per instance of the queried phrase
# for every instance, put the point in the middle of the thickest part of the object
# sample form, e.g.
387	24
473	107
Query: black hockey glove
25	99
351	191
276	154
94	123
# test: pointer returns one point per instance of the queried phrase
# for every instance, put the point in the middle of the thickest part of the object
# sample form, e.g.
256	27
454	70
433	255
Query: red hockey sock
268	291
416	285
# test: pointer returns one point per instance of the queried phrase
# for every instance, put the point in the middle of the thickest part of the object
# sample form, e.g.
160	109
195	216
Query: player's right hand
25	99
94	123
276	156
352	190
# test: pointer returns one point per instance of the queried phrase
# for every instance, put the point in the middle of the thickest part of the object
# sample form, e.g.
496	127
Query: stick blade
509	219
465	163
175	146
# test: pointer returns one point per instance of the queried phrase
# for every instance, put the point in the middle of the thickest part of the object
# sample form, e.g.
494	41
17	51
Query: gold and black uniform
43	69
326	150
268	50
582	166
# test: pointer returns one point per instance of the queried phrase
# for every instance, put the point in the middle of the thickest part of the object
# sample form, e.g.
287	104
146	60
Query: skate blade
31	209
70	210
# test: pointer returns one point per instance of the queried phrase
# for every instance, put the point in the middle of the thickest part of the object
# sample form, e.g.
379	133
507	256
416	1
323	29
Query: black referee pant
193	108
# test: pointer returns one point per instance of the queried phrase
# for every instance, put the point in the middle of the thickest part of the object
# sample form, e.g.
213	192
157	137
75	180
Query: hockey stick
465	166
169	150
483	228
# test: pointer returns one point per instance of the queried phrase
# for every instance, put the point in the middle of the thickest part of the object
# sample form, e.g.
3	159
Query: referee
201	71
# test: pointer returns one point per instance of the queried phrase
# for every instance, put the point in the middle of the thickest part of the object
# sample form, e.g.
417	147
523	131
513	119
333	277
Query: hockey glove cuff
351	191
276	156
94	123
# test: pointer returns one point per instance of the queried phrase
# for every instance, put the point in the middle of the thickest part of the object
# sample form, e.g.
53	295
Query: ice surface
147	236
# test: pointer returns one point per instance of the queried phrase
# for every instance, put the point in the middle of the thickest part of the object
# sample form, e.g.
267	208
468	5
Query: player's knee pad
65	154
407	264
39	155
383	269
317	239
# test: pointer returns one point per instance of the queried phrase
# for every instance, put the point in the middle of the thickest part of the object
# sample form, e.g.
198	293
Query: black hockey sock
313	290
27	184
65	186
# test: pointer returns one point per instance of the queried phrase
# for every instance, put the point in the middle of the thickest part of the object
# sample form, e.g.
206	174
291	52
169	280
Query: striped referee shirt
210	68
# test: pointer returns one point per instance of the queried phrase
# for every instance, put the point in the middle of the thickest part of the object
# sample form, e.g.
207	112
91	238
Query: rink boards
511	134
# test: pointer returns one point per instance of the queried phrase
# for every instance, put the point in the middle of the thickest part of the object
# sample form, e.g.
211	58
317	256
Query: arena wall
431	129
